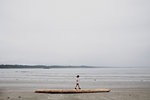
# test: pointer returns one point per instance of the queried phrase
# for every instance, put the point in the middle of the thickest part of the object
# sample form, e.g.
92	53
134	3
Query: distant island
42	66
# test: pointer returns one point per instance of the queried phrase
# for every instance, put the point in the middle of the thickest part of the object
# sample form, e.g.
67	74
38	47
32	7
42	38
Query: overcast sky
75	32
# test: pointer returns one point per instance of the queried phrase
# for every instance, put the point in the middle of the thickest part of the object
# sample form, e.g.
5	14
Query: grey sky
75	32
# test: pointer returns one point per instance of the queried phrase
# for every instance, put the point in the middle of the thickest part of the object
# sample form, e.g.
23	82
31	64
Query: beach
21	84
27	93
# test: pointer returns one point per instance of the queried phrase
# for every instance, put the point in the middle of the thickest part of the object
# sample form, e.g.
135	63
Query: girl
77	82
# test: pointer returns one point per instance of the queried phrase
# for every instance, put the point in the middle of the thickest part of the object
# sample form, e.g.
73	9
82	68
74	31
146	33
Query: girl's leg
79	87
76	86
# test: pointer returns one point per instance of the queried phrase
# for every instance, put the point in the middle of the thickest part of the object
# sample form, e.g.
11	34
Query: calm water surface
60	76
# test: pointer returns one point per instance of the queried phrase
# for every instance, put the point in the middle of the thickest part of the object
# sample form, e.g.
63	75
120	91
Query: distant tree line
42	66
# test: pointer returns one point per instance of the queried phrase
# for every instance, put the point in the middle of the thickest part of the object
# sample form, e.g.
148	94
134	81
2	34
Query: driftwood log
71	90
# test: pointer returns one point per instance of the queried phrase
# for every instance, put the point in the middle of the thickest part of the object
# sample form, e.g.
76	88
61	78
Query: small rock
19	97
129	94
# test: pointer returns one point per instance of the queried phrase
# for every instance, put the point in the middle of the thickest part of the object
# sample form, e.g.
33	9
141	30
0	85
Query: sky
75	32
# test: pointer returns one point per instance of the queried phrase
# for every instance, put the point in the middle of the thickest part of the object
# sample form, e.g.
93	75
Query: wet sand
9	91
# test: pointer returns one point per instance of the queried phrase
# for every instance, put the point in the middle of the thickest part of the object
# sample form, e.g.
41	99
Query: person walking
77	82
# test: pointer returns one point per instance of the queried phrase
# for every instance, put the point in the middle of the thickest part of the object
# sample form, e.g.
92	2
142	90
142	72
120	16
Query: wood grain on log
71	90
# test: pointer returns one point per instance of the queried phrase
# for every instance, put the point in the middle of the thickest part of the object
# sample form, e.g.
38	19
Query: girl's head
77	76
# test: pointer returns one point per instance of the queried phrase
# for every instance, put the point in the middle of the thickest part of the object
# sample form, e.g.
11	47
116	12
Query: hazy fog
75	32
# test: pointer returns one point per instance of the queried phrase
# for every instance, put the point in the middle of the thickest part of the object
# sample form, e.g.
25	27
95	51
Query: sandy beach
16	92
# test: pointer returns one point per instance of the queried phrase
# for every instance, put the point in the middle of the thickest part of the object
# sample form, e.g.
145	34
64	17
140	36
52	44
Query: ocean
109	77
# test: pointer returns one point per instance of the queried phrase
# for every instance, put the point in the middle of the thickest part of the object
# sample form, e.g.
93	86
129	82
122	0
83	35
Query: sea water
65	77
